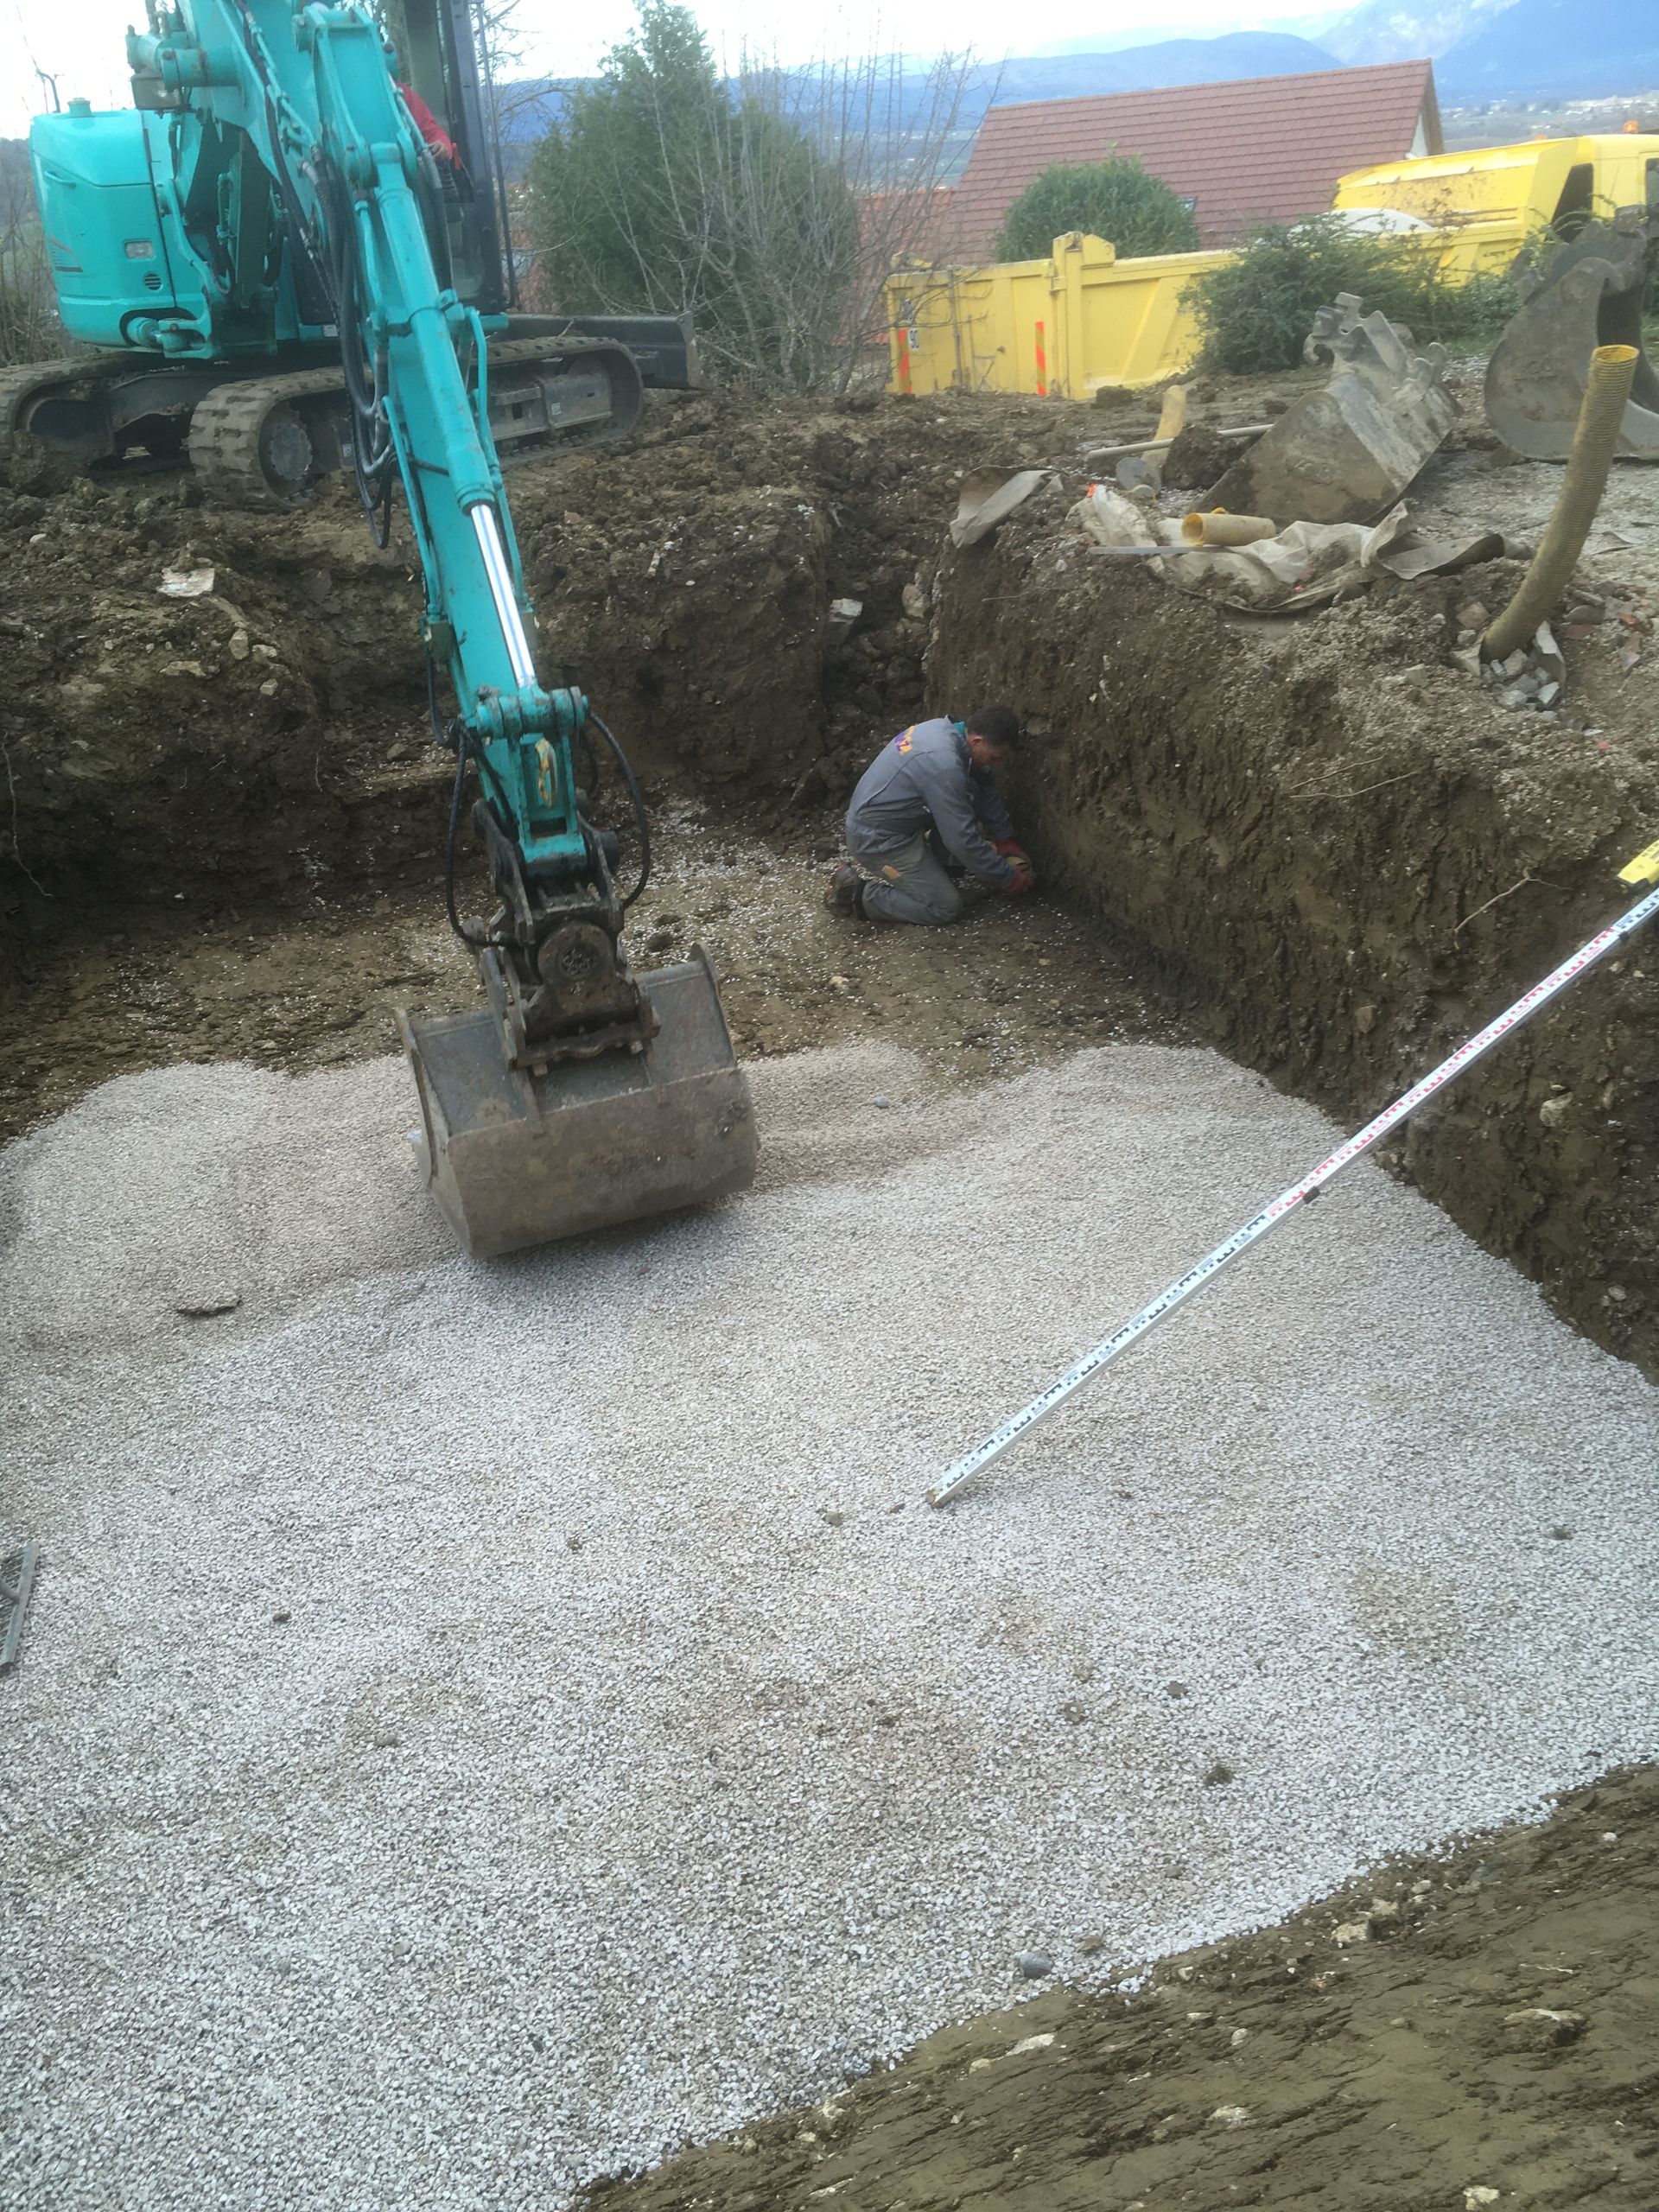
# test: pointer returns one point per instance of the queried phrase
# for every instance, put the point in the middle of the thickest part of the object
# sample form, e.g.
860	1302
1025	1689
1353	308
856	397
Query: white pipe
1285	1204
501	591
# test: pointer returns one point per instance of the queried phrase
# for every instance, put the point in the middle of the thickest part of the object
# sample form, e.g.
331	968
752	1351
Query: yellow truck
1482	206
1082	318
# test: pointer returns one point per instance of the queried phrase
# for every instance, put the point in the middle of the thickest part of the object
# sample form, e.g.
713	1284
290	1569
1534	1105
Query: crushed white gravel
480	1724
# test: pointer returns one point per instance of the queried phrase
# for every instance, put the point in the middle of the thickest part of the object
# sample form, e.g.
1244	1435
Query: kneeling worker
931	789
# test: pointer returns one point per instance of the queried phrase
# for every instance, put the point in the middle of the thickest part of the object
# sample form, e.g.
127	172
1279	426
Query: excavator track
229	438
266	442
21	387
626	396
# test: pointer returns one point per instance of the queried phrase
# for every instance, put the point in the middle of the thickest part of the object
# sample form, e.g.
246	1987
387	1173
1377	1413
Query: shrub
1114	199
1256	311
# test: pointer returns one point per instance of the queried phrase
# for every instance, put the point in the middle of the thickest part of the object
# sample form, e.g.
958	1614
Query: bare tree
891	134
770	205
29	329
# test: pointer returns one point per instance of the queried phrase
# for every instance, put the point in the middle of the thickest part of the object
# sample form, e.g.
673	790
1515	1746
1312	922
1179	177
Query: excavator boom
582	1095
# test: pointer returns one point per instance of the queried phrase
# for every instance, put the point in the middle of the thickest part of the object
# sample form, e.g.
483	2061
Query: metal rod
1282	1208
19	1596
501	591
1162	445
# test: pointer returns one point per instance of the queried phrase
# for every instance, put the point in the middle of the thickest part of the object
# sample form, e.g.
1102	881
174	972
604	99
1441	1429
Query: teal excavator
294	252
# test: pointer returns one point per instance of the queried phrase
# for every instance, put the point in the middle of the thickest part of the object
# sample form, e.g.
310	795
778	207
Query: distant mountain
1104	42
1555	50
1149	68
1401	30
531	109
1485	50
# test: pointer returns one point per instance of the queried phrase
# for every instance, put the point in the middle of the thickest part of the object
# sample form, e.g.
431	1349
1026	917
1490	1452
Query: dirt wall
1336	853
237	735
273	727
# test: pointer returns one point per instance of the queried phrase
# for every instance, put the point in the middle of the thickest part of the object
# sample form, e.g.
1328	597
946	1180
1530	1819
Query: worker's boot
843	897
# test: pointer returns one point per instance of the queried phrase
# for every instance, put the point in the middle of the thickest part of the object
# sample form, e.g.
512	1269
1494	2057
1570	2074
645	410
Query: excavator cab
445	77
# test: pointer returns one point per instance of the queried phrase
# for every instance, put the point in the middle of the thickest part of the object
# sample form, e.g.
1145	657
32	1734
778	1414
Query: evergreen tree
660	193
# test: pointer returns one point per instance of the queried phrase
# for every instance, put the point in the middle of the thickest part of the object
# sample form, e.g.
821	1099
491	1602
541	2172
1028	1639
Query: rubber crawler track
224	430
34	378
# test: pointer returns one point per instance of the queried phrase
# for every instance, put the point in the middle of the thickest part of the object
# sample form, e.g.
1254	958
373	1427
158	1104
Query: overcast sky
81	41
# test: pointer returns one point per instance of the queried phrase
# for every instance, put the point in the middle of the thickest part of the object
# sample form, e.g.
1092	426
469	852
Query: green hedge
1256	312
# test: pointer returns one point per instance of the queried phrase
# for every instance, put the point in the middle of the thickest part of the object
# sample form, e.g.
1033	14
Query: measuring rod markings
1283	1206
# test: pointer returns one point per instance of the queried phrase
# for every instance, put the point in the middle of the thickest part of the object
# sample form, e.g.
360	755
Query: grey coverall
926	781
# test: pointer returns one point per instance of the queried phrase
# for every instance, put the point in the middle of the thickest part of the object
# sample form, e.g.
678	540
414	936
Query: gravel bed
480	1724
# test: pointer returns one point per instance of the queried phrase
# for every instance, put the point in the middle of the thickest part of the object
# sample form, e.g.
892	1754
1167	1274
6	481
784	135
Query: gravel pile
482	1723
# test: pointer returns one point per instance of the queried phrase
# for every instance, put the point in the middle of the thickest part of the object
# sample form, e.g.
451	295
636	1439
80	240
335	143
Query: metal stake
1285	1204
16	1595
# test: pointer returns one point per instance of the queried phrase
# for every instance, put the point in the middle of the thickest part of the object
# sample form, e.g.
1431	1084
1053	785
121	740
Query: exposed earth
1466	2031
1317	842
312	981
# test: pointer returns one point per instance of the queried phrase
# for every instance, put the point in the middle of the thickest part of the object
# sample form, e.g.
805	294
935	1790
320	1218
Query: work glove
1025	878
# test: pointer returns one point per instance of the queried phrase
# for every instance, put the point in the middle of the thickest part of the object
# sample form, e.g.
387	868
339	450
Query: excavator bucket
1346	452
1590	294
514	1158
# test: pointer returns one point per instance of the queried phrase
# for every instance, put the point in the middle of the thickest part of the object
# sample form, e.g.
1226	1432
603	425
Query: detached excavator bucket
517	1159
1590	294
1346	452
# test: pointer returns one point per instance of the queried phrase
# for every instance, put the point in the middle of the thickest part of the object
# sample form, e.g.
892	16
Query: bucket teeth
514	1158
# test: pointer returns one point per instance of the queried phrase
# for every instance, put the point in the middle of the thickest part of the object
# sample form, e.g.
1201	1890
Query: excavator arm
585	1095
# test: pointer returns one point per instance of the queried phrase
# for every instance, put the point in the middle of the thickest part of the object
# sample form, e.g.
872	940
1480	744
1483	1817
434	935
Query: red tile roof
1265	147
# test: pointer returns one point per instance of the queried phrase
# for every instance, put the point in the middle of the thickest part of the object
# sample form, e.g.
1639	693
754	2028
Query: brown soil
1497	2030
314	982
1345	859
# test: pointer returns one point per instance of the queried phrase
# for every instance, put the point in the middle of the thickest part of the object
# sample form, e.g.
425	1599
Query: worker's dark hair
1000	725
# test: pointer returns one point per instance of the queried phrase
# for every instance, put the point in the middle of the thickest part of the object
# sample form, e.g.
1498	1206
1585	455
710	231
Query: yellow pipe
1600	419
1218	527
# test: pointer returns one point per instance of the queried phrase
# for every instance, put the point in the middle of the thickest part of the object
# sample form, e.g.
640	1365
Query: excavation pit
523	1716
1317	844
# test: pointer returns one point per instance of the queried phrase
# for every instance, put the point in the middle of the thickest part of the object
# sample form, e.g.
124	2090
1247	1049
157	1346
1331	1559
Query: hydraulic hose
1600	418
456	736
640	820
